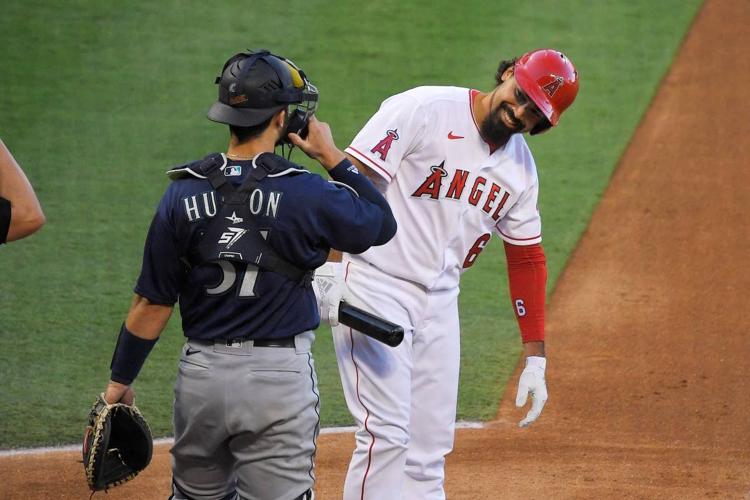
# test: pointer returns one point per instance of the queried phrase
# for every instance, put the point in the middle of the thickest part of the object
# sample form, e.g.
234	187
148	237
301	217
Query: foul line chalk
168	441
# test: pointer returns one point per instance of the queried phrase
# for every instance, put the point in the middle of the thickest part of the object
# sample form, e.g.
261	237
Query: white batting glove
328	285
532	381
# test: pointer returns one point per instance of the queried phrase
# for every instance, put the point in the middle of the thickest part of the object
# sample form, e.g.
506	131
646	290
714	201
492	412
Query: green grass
96	101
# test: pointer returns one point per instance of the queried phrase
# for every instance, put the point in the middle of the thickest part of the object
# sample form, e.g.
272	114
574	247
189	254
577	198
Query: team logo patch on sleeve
385	143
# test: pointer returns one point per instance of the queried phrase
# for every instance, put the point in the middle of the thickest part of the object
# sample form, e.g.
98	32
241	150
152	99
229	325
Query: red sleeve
527	275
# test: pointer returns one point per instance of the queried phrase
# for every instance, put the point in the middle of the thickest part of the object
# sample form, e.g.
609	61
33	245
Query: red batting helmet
550	80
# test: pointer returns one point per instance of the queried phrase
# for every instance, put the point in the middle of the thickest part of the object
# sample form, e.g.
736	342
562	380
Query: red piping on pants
367	417
372	444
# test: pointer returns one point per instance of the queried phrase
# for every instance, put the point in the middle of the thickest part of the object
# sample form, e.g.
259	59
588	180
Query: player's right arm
380	182
22	212
348	222
353	223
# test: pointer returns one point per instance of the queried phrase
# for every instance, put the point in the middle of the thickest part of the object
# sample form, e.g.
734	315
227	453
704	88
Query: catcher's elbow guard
117	444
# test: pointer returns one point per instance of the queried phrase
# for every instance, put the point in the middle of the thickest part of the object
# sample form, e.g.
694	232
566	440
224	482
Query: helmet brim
536	94
240	117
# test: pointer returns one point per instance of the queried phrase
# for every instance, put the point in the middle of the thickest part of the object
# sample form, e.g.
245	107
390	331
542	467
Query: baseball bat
371	325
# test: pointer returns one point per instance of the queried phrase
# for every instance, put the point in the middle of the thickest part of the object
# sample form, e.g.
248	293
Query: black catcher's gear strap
236	200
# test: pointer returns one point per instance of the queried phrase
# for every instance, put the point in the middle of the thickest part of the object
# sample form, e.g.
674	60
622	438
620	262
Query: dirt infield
647	325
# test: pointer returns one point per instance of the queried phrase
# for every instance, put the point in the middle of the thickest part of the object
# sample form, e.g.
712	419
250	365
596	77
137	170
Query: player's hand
328	285
119	393
532	382
319	144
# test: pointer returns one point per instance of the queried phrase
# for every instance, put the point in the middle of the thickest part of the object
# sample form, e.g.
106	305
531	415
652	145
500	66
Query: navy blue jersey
301	215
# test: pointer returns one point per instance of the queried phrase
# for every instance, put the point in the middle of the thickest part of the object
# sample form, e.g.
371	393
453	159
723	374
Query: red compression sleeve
527	275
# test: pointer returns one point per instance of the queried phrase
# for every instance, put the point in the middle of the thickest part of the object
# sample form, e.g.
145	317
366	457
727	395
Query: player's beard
494	129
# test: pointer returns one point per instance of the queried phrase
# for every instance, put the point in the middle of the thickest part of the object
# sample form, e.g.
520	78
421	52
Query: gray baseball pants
246	420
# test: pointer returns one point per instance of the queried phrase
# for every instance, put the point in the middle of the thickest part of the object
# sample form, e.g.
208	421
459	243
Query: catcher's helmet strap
283	72
250	61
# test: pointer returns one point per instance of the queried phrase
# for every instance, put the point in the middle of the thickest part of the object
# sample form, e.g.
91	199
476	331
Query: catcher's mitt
117	444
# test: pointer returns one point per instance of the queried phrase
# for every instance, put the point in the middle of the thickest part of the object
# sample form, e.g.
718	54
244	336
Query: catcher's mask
549	78
253	86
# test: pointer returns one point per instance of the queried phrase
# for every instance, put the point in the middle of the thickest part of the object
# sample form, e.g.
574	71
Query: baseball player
20	211
455	169
235	239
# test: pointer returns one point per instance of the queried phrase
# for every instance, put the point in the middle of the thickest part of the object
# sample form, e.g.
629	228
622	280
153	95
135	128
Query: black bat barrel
371	325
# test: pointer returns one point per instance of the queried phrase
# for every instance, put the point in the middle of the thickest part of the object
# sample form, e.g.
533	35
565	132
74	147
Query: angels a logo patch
431	185
551	88
385	143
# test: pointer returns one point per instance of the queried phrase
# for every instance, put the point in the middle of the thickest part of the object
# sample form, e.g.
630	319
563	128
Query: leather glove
117	444
328	285
532	381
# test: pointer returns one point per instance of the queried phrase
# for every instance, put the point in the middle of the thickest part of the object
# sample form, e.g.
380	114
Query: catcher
235	239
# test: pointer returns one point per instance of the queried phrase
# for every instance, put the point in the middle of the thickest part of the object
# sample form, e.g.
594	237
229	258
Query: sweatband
130	354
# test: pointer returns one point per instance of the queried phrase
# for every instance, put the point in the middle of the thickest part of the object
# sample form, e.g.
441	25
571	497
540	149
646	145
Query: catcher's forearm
146	319
365	189
378	180
130	354
137	337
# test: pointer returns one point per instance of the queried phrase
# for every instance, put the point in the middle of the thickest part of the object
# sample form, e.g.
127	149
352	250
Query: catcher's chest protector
233	235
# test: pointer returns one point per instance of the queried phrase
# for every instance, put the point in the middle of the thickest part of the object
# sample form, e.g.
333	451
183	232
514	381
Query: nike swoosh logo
189	352
453	137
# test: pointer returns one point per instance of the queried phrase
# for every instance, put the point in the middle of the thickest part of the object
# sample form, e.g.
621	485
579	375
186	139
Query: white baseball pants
403	399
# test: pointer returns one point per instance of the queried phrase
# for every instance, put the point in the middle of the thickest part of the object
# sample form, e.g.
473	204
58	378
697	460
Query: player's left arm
527	275
156	292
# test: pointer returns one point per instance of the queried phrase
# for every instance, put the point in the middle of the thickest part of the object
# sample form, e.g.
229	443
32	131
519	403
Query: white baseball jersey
456	190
